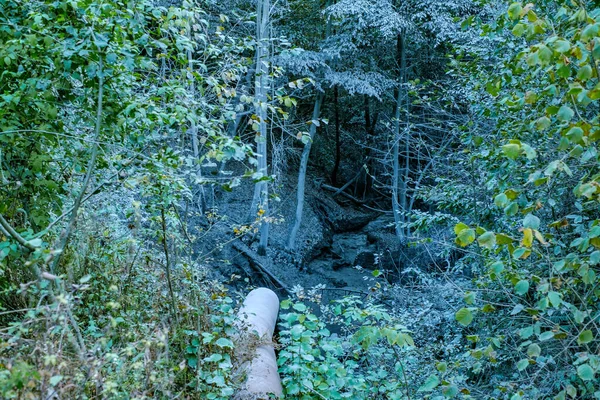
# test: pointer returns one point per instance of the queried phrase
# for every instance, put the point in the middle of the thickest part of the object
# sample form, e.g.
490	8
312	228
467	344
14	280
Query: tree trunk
260	202
338	144
302	173
399	198
369	163
194	134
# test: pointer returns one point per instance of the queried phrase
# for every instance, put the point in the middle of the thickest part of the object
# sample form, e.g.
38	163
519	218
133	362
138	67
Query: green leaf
511	209
522	364
214	358
514	11
526	333
55	379
299	307
487	240
501	200
464	316
546	336
585	372
518	30
554	298
542	123
511	150
466	237
589	32
533	350
458	228
450	391
595	258
529	151
545	54
224	342
441	366
531	221
575	134
585	337
431	383
585	72
565	114
562	46
522	287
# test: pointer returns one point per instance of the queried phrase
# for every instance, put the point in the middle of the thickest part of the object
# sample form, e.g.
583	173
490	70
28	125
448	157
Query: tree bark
338	144
302	173
260	202
399	198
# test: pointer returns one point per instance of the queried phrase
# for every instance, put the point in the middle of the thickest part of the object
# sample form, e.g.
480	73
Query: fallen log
256	263
346	195
257	319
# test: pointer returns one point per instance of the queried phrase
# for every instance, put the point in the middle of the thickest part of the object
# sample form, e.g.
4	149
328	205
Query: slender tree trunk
370	125
260	202
167	262
302	173
338	144
194	134
399	198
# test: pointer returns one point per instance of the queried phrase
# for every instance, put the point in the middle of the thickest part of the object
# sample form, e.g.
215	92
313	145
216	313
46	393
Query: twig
8	230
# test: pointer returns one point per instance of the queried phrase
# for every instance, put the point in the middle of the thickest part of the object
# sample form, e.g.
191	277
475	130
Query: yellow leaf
527	237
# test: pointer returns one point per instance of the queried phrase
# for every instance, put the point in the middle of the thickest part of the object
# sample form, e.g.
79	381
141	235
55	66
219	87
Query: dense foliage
131	132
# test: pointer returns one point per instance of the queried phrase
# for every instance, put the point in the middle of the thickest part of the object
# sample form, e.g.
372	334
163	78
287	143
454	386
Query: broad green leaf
522	287
487	240
514	11
464	316
511	150
565	113
522	364
526	333
589	32
533	350
450	391
299	307
466	237
554	298
562	46
531	221
585	337
441	366
431	383
545	54
501	200
585	72
585	372
55	380
575	134
224	342
458	228
518	30
542	123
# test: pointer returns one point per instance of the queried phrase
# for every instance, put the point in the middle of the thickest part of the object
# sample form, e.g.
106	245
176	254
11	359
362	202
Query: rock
366	259
347	246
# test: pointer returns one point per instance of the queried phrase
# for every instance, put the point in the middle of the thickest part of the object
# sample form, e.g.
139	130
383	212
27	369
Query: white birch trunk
302	173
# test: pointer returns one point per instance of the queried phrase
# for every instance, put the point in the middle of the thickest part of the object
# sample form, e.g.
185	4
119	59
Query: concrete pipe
256	352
